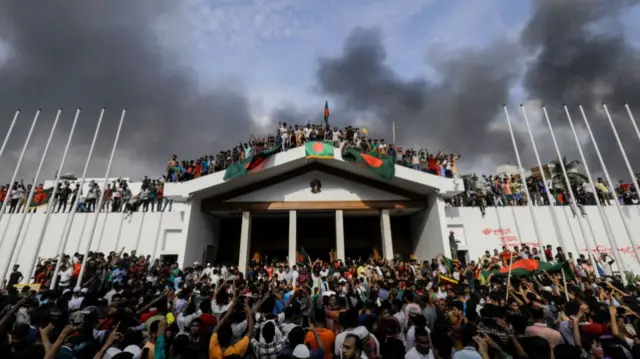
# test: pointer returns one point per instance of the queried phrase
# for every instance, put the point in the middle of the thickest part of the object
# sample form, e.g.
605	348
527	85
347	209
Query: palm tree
573	172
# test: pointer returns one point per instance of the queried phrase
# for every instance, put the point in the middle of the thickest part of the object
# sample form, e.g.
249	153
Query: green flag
529	267
319	149
250	165
303	257
326	112
41	197
382	167
449	263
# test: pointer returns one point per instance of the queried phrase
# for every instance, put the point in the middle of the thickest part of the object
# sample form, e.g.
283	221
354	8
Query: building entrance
316	234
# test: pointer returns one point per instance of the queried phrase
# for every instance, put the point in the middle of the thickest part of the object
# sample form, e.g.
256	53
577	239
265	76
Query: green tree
573	172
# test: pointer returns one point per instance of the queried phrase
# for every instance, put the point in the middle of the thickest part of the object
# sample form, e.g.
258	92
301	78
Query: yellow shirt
239	348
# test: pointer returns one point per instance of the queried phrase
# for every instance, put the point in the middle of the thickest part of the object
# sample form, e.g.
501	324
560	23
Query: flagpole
22	239
101	199
23	217
603	216
522	179
573	201
74	206
135	248
626	106
13	177
626	161
158	231
8	135
393	132
509	274
552	207
122	215
104	222
624	154
51	204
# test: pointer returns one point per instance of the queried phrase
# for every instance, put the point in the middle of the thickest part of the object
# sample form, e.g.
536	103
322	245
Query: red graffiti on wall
504	235
628	250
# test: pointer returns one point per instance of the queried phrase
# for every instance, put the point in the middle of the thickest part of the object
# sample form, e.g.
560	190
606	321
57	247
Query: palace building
324	206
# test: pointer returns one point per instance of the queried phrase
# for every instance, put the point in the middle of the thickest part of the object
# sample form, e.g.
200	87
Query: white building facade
275	213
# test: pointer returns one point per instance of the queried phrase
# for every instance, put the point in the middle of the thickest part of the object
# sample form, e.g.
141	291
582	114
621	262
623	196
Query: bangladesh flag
449	263
383	167
250	165
302	256
319	149
530	267
326	112
41	197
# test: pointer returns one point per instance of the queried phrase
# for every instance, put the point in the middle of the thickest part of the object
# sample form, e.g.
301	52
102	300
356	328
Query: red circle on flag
318	147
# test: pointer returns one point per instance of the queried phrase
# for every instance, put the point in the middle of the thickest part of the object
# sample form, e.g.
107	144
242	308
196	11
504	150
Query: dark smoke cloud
584	58
454	114
95	54
105	54
578	56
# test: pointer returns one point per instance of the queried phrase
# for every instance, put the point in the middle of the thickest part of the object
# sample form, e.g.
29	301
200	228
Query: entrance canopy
406	182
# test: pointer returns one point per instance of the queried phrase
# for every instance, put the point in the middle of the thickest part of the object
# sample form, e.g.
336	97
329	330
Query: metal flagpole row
100	200
15	174
523	180
69	221
567	183
52	203
603	216
8	135
627	227
626	161
552	207
23	217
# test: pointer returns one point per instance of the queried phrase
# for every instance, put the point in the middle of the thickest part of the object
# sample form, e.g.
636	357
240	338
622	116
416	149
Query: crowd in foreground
508	191
131	306
289	136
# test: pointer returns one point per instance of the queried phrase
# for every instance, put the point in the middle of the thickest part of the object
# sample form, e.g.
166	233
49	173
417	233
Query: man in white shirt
422	347
115	290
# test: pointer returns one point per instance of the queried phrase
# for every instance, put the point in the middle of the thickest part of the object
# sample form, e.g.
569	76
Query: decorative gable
317	186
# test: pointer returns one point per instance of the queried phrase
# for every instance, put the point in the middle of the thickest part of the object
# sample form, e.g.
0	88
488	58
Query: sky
198	76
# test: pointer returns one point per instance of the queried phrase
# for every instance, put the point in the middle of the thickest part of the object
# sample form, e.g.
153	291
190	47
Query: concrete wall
139	232
513	225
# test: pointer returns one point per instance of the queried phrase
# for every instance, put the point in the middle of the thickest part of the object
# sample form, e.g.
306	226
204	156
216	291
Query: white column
245	242
293	233
340	234
385	228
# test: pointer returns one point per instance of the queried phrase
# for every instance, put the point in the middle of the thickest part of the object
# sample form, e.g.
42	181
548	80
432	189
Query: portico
319	206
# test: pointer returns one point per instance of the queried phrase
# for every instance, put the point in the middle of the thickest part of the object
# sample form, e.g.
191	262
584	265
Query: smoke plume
105	54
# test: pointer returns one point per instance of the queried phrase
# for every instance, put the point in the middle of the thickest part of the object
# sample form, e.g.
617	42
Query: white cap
134	350
76	290
301	351
84	290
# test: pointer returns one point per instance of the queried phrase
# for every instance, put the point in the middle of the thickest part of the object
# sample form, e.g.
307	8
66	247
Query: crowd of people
132	306
289	136
508	191
117	197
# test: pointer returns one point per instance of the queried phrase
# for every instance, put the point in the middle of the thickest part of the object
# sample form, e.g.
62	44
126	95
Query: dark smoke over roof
105	54
99	54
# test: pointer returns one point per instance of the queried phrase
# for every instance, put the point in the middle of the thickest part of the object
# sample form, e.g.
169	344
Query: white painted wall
512	225
429	230
333	189
138	232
